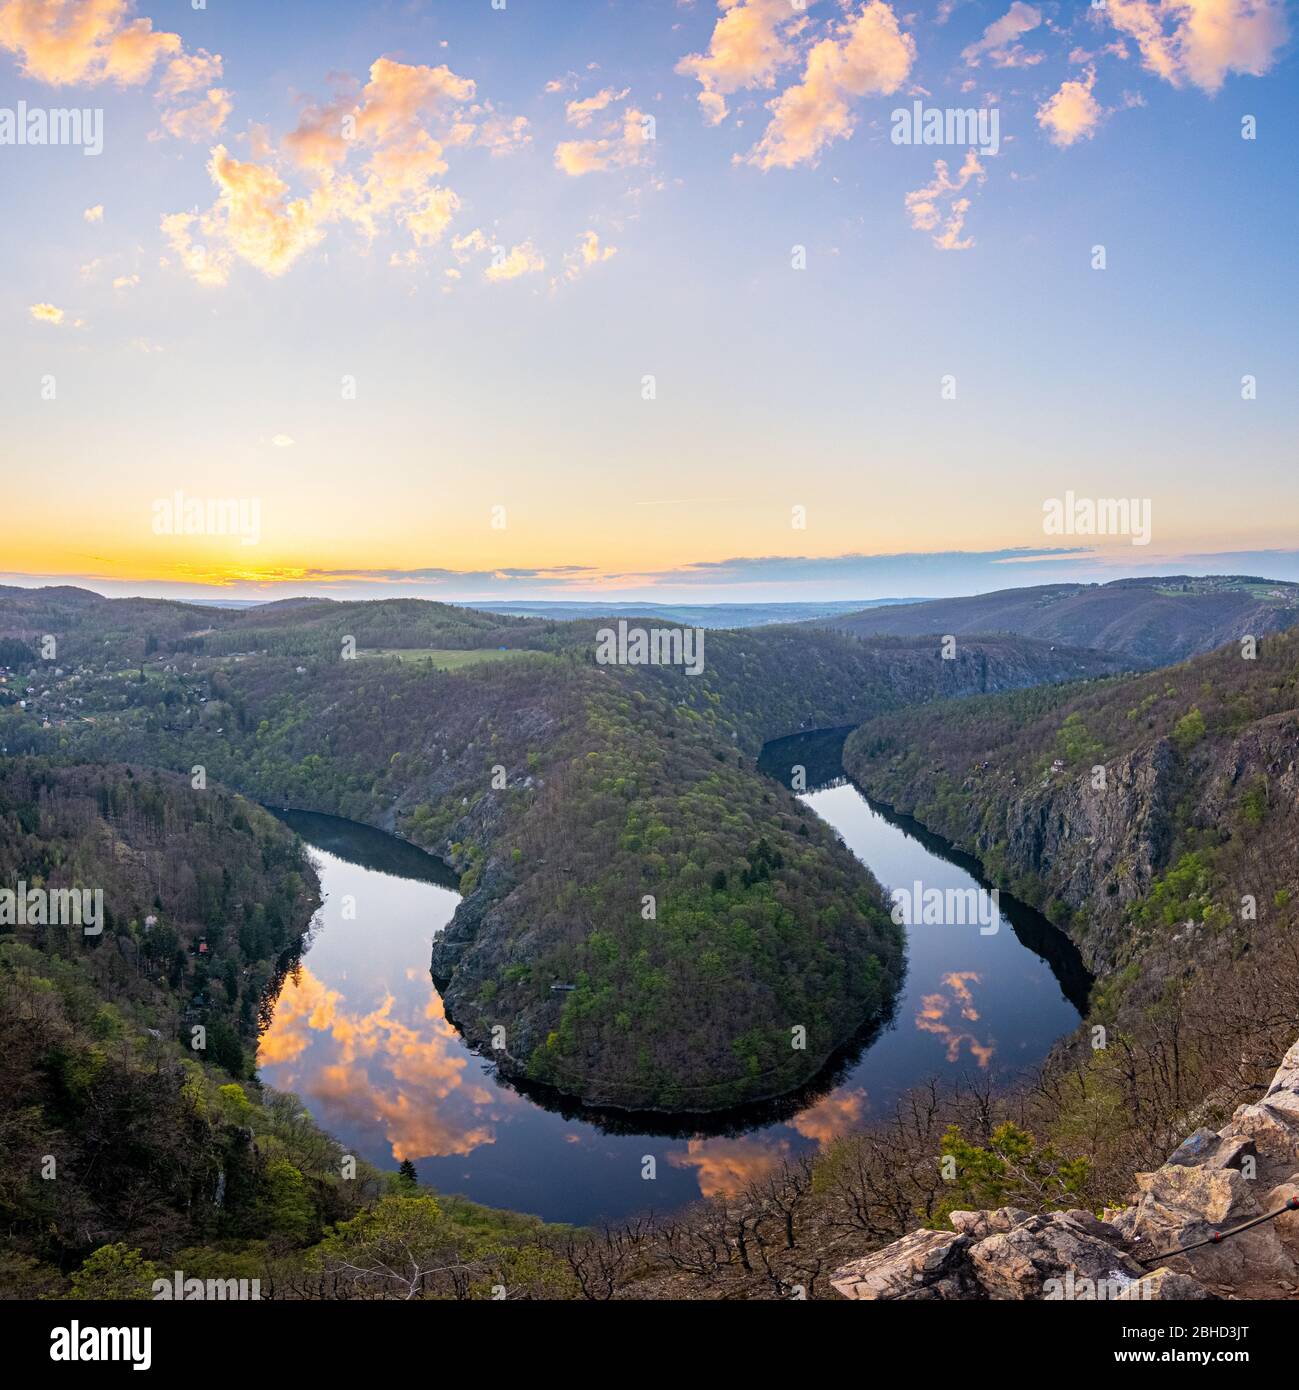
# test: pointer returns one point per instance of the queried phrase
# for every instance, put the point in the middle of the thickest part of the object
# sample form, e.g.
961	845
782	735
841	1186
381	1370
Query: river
359	1031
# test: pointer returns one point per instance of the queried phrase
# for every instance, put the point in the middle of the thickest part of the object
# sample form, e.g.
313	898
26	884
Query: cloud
282	441
838	1113
255	216
524	259
431	215
1073	113
588	253
204	120
95	214
373	162
46	313
932	1017
126	282
998	41
749	45
253	219
1203	41
581	112
188	72
727	1166
868	55
626	146
933	208
503	135
88	42
83	41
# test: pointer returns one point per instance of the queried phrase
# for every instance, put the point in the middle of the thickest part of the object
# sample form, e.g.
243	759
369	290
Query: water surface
360	1034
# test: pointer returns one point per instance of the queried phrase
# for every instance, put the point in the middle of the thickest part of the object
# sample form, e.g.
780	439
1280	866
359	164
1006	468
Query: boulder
1181	1206
1164	1285
1047	1256
1287	1224
922	1265
1205	1149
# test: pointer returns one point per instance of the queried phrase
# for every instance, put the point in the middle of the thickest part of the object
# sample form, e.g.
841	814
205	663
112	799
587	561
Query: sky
645	299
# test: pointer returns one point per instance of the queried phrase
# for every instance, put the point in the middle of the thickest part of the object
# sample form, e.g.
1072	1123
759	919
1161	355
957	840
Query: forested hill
107	1040
1146	814
610	824
1151	621
132	1144
202	891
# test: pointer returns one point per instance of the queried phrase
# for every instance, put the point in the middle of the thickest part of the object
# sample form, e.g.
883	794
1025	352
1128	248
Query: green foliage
1076	745
1011	1169
1184	893
114	1273
1189	730
289	1210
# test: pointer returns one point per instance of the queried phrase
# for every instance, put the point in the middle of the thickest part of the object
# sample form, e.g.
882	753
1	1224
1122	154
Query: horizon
608	603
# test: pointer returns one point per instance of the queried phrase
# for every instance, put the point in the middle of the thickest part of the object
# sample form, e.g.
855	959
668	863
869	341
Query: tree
392	1249
407	1174
289	1202
114	1273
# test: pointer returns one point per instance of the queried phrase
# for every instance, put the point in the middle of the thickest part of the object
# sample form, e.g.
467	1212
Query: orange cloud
839	1113
581	112
934	209
932	1018
204	120
588	253
623	147
46	313
83	41
727	1166
1072	113
1202	41
380	1068
256	218
868	55
749	45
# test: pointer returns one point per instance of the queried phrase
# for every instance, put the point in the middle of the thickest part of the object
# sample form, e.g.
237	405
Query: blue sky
498	441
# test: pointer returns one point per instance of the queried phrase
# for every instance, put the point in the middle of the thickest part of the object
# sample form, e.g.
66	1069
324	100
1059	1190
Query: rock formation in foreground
1148	1250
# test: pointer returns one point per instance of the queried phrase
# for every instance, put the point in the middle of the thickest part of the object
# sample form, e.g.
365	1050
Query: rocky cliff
1179	1237
1127	810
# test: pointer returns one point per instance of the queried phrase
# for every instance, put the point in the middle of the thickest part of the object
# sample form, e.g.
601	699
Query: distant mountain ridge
1152	622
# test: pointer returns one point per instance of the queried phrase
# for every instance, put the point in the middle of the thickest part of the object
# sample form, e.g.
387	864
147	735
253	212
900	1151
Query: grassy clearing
443	659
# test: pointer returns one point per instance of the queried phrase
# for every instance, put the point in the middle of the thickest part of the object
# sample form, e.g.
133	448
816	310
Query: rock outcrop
1167	1244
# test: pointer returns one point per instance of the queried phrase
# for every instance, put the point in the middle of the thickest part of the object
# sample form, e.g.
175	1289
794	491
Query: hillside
1196	813
610	825
1152	622
205	900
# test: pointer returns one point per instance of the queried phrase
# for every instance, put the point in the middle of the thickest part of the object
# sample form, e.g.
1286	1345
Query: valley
555	879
